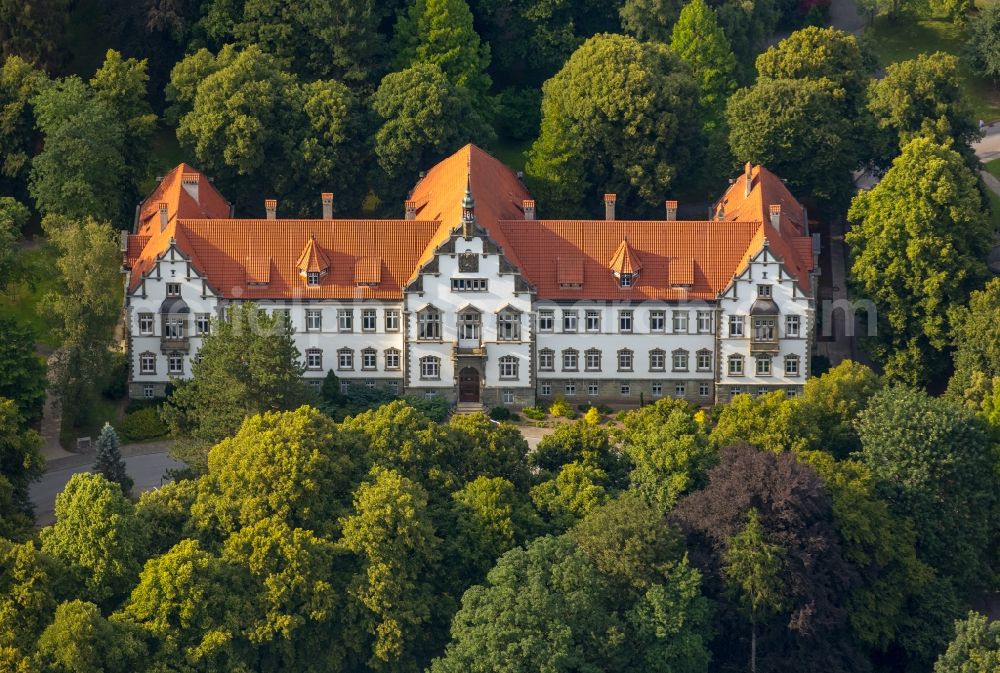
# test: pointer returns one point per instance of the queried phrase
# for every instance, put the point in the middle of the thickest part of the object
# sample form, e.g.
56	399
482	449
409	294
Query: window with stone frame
508	397
679	360
369	320
148	391
545	390
792	365
546	360
792	326
625	389
175	364
509	325
546	321
345	320
569	388
146	323
174	328
625	321
703	360
704	322
173	289
314	359
736	365
392	358
657	390
147	363
625	357
508	367
592	360
592	321
680	321
202	323
391	320
430	367
429	324
570	360
736	323
657	360
345	359
369	359
657	321
703	389
680	390
593	389
763	330
314	320
763	367
570	319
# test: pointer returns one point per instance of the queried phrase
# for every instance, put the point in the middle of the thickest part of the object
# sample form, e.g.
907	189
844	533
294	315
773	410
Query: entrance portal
468	385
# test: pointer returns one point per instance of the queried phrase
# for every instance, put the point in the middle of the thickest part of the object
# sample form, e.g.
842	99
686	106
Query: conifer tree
109	462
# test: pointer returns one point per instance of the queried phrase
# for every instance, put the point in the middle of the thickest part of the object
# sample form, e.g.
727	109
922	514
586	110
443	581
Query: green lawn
23	298
993	168
903	39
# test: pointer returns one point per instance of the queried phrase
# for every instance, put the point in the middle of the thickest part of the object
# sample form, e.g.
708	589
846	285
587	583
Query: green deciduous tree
983	46
249	364
752	569
830	403
261	130
424	118
924	97
392	535
30	584
33	29
771	422
651	20
19	82
441	32
621	116
573	492
20	464
98	536
13	216
798	129
669	450
165	513
285	465
86	307
918	245
977	345
22	371
492	450
931	460
81	640
975	649
108	461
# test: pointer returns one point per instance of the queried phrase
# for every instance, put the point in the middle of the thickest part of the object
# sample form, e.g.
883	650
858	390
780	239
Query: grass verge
23	298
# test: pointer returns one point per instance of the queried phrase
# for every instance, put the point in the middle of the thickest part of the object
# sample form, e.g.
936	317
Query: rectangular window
469	285
569	321
370	384
202	323
509	326
570	361
508	367
624	321
625	389
312	278
735	366
314	359
345	320
369	320
763	329
147	391
173	289
429	325
704	322
681	321
764	291
763	365
391	320
792	324
546	360
546	390
545	321
680	361
430	368
703	389
593	389
593	321
680	390
147	363
624	361
657	390
392	359
657	361
704	361
593	361
657	321
508	397
174	328
314	320
175	364
570	388
736	325
146	324
791	366
393	387
369	359
345	359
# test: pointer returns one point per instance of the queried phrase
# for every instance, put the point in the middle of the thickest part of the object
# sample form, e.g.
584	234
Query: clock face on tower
468	262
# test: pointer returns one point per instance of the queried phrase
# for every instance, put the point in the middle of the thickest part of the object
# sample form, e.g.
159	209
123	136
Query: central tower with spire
468	209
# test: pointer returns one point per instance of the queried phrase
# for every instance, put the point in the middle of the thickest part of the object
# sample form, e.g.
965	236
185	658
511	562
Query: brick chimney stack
671	210
410	208
528	205
164	216
775	211
327	198
747	179
271	208
609	207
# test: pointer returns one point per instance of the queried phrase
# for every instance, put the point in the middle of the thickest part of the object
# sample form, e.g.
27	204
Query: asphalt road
148	471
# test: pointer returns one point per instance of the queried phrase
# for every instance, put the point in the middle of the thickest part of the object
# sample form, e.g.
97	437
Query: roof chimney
410	208
271	208
528	205
164	216
776	216
327	198
190	181
671	210
747	179
609	207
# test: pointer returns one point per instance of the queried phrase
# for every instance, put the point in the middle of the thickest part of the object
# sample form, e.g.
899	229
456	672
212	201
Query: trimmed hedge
143	424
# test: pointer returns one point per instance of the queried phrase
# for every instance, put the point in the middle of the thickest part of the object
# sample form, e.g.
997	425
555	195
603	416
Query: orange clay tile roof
717	248
313	258
625	260
376	258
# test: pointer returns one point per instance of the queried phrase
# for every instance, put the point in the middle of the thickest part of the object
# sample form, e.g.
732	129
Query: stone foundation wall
609	392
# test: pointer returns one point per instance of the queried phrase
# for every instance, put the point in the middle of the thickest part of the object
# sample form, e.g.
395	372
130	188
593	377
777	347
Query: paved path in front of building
988	149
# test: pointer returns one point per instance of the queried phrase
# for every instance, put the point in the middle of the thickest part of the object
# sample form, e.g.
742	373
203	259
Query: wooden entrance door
468	385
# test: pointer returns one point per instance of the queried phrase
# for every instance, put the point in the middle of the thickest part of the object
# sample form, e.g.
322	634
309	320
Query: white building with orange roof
471	297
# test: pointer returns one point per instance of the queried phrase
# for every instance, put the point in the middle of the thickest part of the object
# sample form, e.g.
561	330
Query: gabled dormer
313	263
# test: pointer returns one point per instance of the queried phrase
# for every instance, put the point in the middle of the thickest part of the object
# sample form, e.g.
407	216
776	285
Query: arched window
469	324
429	324
430	367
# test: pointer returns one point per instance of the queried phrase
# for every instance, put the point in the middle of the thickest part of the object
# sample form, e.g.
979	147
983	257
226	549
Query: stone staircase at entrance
469	408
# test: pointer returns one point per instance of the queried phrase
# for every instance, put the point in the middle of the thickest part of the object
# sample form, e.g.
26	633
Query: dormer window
312	278
625	265
313	263
625	280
